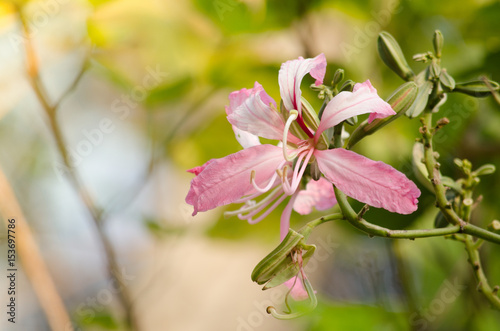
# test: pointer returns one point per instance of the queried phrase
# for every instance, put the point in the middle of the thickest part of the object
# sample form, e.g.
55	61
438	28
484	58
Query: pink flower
275	172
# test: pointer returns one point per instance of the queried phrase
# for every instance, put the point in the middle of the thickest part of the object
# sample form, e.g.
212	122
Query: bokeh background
158	72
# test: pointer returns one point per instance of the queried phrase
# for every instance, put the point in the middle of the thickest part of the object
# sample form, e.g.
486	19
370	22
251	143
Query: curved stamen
293	116
271	181
261	217
297	177
266	201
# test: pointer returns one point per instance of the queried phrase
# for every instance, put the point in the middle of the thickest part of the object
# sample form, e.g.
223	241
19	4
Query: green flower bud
338	77
494	226
277	260
280	265
438	42
434	70
347	86
486	169
392	55
446	80
421	100
478	88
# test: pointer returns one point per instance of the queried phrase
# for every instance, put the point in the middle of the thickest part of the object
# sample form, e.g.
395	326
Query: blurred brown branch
32	261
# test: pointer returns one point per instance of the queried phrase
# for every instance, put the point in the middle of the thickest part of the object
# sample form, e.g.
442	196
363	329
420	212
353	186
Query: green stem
482	281
378	231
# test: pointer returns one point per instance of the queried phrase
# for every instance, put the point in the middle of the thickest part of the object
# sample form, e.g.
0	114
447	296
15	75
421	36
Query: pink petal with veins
317	194
363	99
291	74
222	181
254	111
372	182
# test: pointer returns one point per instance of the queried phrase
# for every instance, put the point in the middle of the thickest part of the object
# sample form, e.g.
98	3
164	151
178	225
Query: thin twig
84	195
32	261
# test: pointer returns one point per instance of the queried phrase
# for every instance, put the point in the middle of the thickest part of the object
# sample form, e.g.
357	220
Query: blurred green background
193	273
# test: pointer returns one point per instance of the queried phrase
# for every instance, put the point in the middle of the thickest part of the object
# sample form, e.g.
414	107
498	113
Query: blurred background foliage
206	49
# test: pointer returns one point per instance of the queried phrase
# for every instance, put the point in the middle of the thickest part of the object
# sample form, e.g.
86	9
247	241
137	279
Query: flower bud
393	57
277	260
347	86
281	265
421	100
446	80
338	77
478	88
434	69
494	226
438	42
486	169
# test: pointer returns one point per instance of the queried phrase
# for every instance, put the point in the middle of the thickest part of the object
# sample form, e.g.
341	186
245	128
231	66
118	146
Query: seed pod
392	55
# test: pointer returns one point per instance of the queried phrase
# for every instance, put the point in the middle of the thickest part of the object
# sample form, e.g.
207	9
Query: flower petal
317	194
298	292
363	99
246	139
372	182
222	181
291	75
254	111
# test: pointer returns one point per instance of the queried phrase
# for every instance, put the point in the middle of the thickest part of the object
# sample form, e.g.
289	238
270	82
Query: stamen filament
293	116
246	209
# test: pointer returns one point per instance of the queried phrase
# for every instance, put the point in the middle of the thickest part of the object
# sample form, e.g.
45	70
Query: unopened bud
446	80
338	76
494	226
438	42
421	100
486	169
392	55
478	88
347	86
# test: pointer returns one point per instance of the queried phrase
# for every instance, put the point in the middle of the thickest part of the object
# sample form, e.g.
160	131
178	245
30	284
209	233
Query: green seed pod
476	88
392	55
